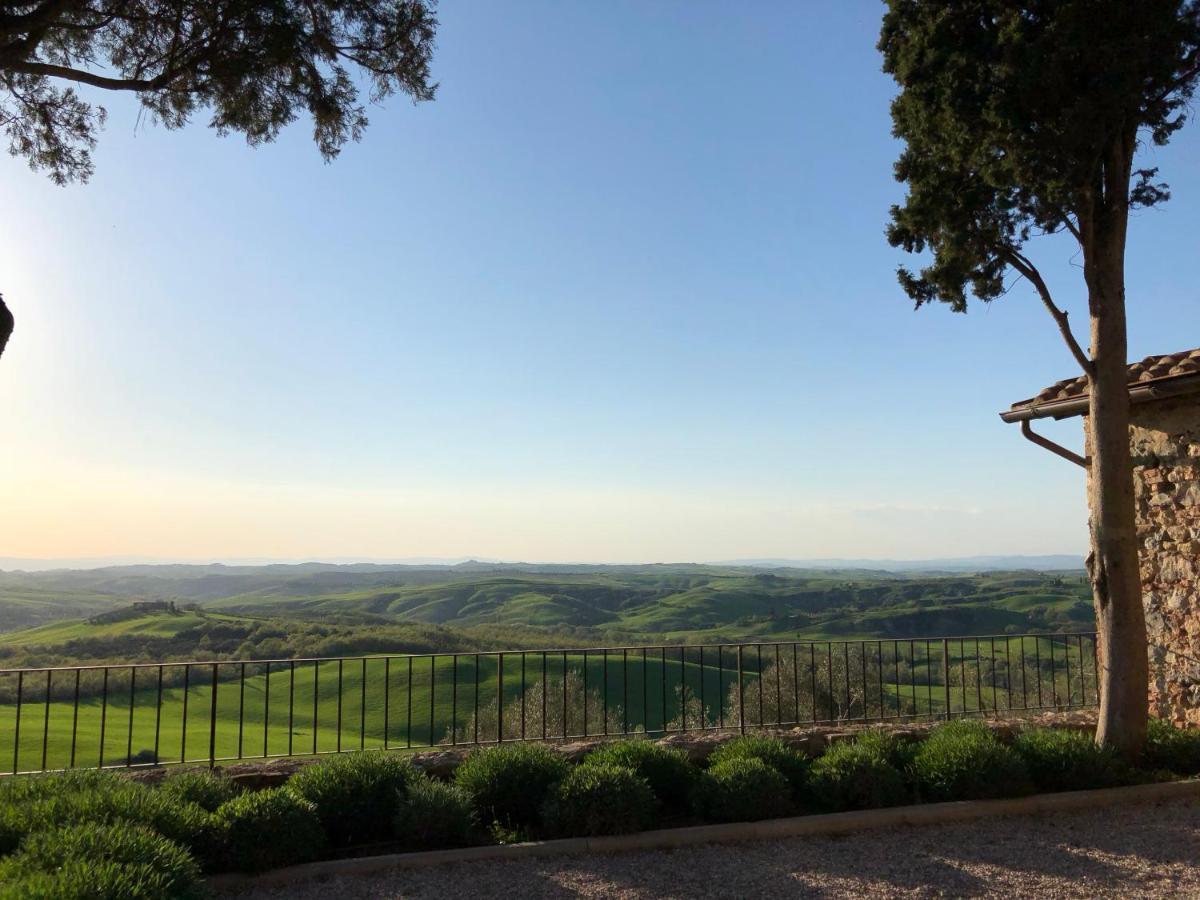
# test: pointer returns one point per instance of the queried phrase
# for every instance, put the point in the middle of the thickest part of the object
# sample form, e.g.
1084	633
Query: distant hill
1054	563
676	601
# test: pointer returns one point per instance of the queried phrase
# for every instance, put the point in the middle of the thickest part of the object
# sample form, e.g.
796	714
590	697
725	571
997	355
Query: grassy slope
362	724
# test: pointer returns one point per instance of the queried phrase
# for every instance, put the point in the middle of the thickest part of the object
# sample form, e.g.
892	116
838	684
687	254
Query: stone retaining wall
812	741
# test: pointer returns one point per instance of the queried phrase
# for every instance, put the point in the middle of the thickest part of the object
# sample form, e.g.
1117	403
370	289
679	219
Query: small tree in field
255	66
1023	118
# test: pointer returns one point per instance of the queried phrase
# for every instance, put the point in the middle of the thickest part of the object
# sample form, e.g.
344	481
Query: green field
280	613
379	698
415	701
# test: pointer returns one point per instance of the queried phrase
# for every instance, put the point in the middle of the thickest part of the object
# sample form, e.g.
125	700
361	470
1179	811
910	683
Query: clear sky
620	294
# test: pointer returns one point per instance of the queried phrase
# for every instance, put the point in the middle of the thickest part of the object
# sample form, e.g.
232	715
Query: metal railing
147	714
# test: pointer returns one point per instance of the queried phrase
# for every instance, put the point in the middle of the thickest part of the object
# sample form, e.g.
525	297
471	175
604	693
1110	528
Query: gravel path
1138	851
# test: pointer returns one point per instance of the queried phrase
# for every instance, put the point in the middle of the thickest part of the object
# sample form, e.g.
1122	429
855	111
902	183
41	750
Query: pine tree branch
1030	272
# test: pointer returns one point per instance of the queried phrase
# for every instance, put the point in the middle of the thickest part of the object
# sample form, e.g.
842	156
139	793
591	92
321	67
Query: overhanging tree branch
1029	271
81	76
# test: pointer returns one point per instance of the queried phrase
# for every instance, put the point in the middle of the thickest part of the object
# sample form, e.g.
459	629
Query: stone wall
1165	439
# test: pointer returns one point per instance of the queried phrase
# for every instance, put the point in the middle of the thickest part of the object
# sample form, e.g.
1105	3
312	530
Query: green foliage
859	774
205	789
742	789
1059	759
115	861
433	815
601	798
963	760
55	801
666	770
269	829
792	765
255	69
356	795
1023	118
509	784
1174	749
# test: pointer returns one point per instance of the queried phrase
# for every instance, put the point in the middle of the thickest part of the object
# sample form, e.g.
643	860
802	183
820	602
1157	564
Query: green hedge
742	789
509	784
601	798
269	829
858	774
114	861
205	789
356	796
667	771
1059	759
1173	749
963	760
433	815
772	751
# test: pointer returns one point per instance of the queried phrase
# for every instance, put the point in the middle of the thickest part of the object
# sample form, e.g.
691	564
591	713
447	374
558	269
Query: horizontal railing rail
204	712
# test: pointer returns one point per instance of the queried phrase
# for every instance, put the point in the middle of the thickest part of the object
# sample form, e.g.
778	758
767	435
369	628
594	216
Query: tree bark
6	325
1113	563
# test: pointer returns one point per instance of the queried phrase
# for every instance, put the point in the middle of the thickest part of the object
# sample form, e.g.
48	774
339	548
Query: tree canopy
1023	118
253	66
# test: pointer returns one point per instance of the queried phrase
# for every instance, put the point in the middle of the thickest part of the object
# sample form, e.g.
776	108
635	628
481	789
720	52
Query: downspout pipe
1057	449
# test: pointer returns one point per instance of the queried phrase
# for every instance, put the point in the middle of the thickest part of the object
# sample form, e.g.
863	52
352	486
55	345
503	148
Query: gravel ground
1138	851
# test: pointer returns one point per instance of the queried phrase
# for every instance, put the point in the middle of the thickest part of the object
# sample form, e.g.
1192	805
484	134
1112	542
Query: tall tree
255	66
1023	118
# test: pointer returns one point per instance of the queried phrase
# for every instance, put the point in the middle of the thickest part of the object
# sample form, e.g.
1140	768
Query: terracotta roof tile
1151	368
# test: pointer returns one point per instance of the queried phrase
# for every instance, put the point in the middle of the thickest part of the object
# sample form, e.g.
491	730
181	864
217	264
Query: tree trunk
6	325
1113	564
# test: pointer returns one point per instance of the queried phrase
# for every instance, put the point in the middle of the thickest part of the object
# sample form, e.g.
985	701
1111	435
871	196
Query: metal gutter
1139	392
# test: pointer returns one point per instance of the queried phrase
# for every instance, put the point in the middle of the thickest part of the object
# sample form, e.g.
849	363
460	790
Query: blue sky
620	293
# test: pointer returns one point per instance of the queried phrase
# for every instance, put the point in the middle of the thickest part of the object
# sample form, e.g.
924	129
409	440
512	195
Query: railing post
741	695
212	722
946	673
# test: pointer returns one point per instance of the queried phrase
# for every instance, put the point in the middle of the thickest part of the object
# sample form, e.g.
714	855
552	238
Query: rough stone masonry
1165	440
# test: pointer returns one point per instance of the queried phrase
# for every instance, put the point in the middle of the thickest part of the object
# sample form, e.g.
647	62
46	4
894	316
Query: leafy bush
100	798
433	815
1059	759
600	798
203	788
509	784
1174	749
792	765
858	774
895	750
963	760
118	861
271	828
742	790
667	771
356	795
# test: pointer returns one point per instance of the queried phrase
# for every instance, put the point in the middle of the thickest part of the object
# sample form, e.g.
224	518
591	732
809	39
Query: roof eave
1139	392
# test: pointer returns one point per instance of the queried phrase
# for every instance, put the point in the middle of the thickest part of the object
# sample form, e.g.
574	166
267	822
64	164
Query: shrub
1174	749
205	789
793	766
433	815
858	774
667	771
509	784
963	760
600	798
1059	759
895	750
118	861
102	798
271	828
356	795
742	790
